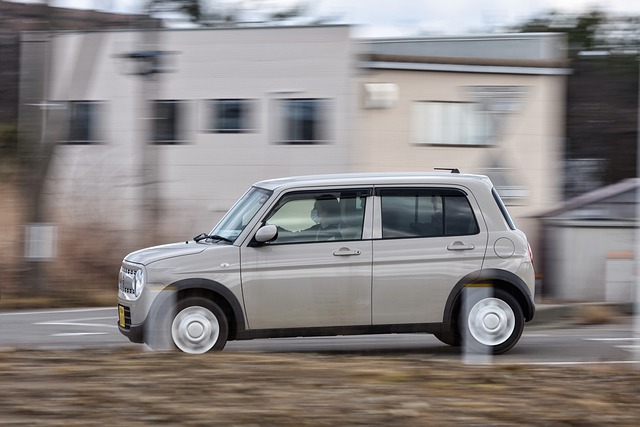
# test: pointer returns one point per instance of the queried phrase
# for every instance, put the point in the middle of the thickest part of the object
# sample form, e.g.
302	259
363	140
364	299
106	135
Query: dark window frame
304	121
169	134
83	122
221	114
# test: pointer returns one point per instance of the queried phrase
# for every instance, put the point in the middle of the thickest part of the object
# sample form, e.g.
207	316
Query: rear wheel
491	323
198	326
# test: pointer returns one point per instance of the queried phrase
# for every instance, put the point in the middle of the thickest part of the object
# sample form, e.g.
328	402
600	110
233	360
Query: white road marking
78	334
628	347
68	323
81	323
74	310
595	362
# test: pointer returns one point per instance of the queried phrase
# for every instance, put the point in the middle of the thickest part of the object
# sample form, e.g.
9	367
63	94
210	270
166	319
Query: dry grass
134	387
11	215
595	314
84	272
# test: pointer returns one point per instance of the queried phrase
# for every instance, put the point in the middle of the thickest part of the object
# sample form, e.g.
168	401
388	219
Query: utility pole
636	300
40	129
147	63
148	59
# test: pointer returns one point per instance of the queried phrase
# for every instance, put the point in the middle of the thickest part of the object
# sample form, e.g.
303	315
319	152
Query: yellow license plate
121	316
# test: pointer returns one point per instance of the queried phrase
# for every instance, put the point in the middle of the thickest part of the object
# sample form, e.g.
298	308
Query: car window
426	213
318	216
458	216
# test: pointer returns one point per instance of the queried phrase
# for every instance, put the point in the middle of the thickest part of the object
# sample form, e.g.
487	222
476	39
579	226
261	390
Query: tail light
530	252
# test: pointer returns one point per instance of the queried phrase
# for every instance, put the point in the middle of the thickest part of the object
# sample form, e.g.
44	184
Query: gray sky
386	18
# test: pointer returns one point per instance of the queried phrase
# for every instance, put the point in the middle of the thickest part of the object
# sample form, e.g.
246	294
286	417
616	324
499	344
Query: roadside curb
579	312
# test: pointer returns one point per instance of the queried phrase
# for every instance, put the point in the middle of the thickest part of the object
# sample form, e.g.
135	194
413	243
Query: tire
490	323
198	326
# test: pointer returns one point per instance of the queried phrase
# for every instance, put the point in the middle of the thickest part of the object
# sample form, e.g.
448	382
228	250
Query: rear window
503	209
426	213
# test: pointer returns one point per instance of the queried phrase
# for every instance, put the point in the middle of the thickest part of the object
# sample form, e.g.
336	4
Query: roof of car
377	178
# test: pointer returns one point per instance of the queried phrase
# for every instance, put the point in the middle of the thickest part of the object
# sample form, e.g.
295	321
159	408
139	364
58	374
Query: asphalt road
543	344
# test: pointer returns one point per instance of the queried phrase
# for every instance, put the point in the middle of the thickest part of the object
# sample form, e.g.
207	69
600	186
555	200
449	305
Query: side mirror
266	234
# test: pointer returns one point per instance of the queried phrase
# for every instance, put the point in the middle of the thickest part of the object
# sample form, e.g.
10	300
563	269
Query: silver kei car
338	255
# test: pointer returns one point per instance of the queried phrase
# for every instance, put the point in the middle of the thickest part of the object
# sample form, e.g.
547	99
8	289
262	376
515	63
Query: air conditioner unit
380	95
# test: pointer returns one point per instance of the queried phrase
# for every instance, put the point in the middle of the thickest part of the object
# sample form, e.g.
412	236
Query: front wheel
492	323
199	326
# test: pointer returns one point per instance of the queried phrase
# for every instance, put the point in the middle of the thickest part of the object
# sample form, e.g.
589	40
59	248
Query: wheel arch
211	290
500	279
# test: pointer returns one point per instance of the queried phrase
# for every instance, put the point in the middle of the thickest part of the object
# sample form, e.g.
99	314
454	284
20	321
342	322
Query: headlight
131	281
138	283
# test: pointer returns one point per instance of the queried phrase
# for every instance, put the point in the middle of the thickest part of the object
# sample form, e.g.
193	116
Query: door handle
460	246
346	252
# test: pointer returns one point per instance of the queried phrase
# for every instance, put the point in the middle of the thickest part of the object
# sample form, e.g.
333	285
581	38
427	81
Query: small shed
589	245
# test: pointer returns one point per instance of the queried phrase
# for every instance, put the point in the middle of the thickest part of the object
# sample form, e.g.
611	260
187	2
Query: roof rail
453	170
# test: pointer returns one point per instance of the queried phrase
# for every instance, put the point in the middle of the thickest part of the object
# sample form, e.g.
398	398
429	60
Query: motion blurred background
126	124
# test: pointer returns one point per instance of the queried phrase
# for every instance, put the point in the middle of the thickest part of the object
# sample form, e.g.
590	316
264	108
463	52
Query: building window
167	116
231	115
303	121
83	122
449	123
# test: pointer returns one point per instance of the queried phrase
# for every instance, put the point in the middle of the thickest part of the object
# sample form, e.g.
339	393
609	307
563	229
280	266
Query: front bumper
135	333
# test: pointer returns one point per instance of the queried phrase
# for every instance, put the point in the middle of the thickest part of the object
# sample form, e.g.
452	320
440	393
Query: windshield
237	218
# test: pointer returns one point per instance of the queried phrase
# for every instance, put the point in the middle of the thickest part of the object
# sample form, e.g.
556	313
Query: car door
425	241
311	276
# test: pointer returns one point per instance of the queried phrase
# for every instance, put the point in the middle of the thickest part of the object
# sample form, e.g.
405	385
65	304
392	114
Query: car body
336	255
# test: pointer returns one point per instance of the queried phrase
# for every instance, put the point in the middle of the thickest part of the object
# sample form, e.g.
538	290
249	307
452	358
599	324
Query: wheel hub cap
195	330
491	321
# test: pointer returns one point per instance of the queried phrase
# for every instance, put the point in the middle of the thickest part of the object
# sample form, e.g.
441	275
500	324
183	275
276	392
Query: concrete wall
578	253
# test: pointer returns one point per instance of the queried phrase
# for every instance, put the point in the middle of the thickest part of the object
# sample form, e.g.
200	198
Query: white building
239	105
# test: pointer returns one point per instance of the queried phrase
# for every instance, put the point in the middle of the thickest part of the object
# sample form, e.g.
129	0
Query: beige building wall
529	147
